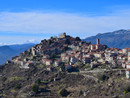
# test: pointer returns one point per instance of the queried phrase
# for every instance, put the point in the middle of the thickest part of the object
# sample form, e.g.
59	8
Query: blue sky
23	21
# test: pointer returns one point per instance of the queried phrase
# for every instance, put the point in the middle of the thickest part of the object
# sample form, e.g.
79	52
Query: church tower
98	41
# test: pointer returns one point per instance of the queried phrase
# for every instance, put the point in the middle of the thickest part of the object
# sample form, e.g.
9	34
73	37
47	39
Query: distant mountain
7	52
118	39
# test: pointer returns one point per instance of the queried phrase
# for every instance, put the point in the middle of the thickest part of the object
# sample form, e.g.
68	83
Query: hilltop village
73	52
65	66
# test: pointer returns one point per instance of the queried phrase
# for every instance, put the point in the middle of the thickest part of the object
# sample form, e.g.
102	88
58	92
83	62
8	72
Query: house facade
128	71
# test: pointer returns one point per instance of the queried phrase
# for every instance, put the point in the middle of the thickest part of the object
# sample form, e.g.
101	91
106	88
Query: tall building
98	46
98	41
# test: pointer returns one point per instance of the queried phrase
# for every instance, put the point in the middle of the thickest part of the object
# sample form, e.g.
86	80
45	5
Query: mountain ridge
8	51
118	39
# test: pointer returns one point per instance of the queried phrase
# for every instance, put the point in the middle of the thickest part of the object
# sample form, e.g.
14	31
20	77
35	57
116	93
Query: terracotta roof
87	57
128	69
126	48
57	60
48	60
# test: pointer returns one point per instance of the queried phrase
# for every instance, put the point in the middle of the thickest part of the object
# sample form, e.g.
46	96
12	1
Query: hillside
6	52
118	39
65	67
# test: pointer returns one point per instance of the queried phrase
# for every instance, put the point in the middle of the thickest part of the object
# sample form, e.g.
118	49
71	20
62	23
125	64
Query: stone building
63	35
128	71
98	46
128	67
129	57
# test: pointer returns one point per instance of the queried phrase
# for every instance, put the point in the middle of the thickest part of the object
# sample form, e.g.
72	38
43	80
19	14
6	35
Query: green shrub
17	86
65	49
44	82
86	66
4	79
63	92
127	89
78	39
125	92
102	77
38	81
81	92
16	78
62	66
35	88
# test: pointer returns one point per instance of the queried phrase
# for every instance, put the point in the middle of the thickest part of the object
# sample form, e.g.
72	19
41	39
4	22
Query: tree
65	49
78	39
38	81
102	77
62	66
4	79
81	92
67	41
17	86
126	89
35	88
53	56
34	57
49	42
63	92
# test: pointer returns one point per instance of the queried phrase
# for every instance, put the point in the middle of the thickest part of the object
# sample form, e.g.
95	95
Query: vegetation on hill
33	75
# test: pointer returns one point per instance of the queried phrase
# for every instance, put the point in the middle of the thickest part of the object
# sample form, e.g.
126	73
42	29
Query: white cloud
32	41
1	44
9	40
74	24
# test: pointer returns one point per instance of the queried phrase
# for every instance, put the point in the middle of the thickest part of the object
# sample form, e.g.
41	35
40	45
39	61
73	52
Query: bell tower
98	41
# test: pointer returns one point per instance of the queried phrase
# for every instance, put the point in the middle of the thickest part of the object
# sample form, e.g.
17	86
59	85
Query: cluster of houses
23	63
76	51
